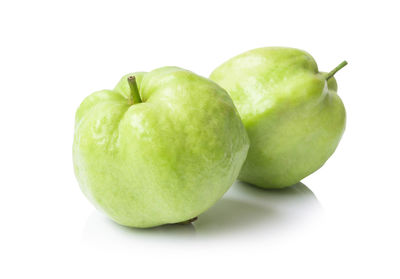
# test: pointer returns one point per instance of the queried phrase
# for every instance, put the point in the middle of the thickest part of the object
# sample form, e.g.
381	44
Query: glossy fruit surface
160	148
291	111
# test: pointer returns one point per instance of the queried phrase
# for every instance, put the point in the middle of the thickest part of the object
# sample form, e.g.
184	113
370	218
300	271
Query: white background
342	223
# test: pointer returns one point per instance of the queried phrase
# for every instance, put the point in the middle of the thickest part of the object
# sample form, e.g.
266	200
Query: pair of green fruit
164	146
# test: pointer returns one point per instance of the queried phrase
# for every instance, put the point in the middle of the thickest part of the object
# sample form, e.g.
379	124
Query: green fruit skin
165	160
293	115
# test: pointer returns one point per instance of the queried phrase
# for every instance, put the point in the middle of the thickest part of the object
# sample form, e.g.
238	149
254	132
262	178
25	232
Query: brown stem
188	221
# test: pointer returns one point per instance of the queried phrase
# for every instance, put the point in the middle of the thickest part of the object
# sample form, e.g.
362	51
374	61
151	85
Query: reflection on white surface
244	209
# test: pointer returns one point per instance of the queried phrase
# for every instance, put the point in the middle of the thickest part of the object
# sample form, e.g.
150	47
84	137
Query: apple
160	148
291	111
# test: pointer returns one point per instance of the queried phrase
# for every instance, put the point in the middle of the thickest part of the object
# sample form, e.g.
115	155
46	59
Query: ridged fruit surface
291	111
165	159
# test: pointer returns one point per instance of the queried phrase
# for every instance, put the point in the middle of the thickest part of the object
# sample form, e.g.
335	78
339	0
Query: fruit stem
334	71
188	221
134	97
